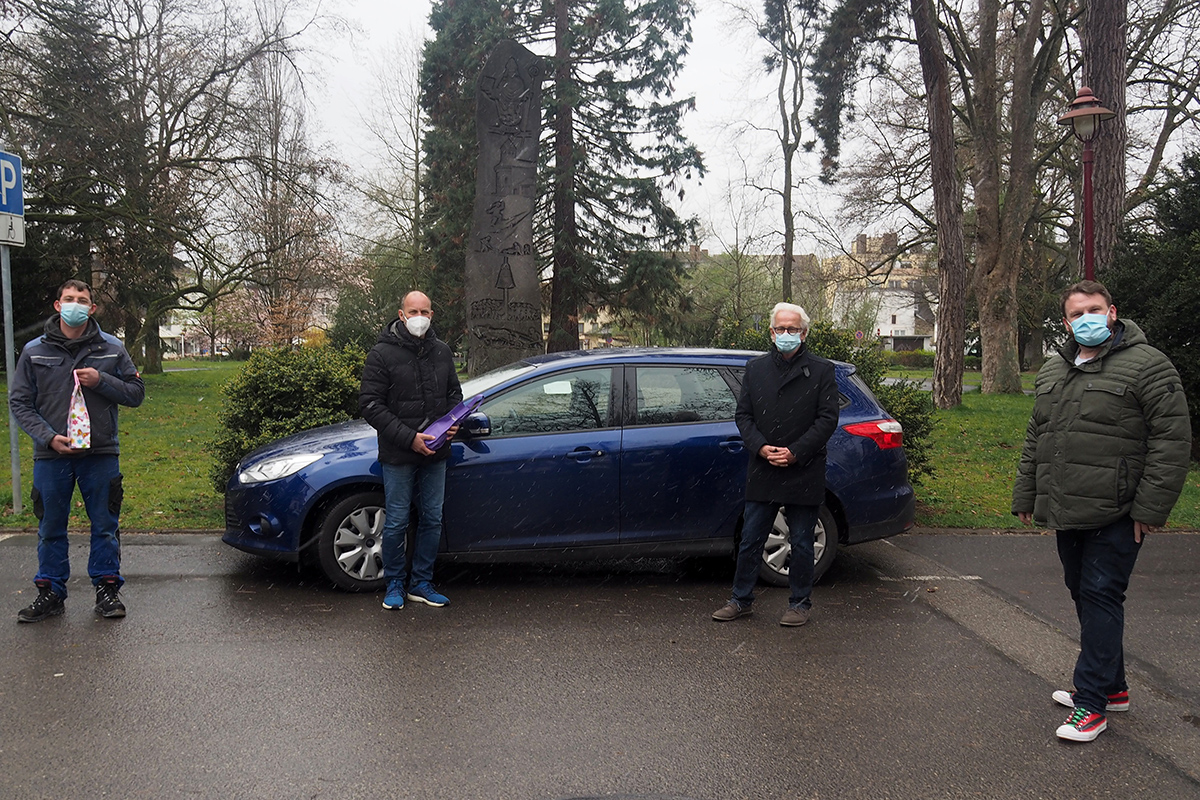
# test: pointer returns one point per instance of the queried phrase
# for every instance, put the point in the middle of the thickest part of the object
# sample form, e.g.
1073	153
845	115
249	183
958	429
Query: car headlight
279	467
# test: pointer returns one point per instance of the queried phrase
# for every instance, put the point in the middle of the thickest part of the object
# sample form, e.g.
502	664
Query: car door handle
584	453
732	445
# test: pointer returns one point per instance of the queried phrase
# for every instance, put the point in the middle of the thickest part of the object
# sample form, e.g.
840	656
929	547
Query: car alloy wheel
350	543
777	552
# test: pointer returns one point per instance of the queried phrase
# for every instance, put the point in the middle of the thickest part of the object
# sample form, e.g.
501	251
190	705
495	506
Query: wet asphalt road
234	678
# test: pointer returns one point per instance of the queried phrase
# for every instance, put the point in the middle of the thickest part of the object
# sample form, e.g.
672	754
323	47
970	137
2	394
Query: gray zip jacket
44	380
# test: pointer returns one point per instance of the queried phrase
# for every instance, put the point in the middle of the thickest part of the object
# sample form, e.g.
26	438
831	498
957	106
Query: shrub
973	363
916	359
841	345
280	392
904	400
735	337
913	408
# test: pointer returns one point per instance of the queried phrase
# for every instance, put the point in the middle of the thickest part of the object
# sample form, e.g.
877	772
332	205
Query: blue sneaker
395	594
425	593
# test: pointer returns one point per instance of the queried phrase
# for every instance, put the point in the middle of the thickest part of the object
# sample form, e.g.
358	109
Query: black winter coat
407	383
788	403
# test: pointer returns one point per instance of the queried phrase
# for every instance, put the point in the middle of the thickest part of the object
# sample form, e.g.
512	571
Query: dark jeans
99	480
1097	564
402	483
758	519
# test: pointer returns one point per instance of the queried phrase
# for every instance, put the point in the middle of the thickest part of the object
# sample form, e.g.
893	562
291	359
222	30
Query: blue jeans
54	480
758	519
400	482
1097	564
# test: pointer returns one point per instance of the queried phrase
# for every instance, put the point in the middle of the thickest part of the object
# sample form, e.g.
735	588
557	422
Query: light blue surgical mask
74	314
1091	330
788	342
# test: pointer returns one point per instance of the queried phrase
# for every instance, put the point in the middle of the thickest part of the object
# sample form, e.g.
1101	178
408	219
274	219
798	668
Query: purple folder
457	414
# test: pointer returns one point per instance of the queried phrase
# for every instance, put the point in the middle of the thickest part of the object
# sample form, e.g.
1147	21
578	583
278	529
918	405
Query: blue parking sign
12	192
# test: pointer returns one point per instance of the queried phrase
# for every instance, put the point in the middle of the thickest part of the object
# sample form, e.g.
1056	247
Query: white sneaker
1118	701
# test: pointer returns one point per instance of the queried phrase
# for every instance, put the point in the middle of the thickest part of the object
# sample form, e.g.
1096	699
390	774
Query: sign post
12	232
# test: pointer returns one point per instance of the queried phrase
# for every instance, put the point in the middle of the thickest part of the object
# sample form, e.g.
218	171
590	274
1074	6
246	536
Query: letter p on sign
8	180
12	200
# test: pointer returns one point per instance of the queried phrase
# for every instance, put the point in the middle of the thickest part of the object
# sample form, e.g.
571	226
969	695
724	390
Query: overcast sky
720	56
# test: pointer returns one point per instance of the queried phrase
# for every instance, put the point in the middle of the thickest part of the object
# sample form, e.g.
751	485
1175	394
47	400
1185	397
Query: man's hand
88	377
61	444
777	456
418	444
1140	529
1026	517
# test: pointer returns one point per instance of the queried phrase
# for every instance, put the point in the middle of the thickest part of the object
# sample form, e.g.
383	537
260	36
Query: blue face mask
74	314
787	342
1091	330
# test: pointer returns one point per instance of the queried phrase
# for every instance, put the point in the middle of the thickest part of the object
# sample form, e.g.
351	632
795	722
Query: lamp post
1084	118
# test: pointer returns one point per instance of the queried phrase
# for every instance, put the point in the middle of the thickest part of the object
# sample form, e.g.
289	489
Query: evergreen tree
613	146
464	35
619	150
1155	279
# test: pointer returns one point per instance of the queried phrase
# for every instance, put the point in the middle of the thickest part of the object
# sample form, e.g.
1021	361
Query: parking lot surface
235	678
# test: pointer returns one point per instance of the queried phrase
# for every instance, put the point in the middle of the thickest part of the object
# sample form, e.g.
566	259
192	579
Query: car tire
350	543
778	551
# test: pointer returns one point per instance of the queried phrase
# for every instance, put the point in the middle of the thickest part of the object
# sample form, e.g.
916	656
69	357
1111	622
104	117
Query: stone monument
503	293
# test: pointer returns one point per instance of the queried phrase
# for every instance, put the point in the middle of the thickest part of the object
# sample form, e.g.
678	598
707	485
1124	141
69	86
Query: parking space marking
4	536
932	578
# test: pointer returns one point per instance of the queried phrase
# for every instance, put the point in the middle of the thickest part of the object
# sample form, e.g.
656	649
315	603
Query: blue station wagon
612	453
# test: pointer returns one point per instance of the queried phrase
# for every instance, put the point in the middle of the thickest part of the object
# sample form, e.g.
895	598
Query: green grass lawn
976	448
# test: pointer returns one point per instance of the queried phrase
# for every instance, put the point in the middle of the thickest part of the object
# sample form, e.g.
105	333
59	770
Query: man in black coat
408	382
786	413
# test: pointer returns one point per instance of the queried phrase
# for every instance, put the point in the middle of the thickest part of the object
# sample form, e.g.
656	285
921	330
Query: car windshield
488	380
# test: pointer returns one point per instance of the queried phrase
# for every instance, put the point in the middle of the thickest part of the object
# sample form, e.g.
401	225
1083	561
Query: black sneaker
47	604
108	603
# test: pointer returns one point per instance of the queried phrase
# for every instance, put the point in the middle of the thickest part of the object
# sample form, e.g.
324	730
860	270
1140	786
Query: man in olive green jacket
1105	458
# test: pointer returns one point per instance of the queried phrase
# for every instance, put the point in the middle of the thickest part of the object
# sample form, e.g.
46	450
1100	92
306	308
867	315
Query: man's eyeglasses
788	330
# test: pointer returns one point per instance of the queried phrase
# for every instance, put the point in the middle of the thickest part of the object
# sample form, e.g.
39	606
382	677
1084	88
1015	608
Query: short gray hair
795	309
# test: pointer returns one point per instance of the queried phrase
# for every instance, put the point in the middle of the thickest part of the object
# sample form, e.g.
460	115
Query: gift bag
79	424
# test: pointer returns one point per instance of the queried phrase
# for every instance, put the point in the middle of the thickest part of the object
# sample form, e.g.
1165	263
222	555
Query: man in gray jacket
74	346
1105	458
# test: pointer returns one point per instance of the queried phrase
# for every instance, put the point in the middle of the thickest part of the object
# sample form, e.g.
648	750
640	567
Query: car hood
344	436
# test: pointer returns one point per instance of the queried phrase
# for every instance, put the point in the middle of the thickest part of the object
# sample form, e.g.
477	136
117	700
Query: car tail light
886	433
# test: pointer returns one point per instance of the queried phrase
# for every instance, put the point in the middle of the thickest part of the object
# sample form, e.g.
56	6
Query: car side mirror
477	424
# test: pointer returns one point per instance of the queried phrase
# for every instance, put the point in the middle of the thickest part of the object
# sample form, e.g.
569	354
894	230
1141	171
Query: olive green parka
1108	438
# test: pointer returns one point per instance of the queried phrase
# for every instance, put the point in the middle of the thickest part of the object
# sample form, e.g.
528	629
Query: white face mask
417	326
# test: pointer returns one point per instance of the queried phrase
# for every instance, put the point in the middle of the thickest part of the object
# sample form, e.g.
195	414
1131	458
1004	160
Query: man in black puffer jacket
408	382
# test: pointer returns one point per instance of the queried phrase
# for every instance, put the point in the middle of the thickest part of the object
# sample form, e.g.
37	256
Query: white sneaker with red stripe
1117	701
1082	726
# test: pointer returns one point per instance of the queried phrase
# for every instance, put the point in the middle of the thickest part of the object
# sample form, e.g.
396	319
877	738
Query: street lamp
1084	118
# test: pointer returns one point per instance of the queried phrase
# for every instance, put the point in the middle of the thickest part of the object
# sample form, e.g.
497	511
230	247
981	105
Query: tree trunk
947	202
1004	211
1105	54
153	365
564	289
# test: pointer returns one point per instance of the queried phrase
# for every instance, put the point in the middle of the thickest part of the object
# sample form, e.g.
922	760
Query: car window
682	394
565	401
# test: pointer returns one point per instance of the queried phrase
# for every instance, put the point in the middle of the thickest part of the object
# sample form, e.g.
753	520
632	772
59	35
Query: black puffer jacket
788	403
407	383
